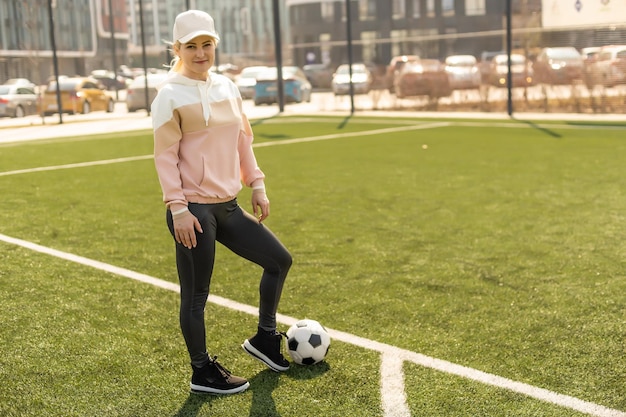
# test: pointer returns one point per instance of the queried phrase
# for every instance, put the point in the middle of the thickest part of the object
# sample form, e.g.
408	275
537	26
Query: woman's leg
195	267
245	236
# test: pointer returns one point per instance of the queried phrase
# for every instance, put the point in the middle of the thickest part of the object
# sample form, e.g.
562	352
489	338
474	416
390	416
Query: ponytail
176	64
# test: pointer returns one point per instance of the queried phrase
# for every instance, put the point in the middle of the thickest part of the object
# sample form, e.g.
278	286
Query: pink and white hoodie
202	141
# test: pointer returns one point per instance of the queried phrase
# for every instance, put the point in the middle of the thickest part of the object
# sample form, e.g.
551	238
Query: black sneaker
213	378
265	346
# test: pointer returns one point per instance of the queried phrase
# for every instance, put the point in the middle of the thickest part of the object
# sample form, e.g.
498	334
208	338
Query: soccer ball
307	342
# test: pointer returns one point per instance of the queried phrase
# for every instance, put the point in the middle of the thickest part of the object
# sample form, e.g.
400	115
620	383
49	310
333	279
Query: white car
463	72
246	80
136	91
17	100
361	79
609	67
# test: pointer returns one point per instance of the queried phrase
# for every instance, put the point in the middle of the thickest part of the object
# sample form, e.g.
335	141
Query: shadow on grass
301	372
603	124
262	386
257	122
191	407
264	383
540	128
344	122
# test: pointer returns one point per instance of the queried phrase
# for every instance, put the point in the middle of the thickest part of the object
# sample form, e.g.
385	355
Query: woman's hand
260	204
185	226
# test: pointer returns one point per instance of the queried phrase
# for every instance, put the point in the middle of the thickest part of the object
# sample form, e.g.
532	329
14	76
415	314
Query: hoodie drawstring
204	100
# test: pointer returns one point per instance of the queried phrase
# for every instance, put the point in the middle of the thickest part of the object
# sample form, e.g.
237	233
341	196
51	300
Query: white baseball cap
193	23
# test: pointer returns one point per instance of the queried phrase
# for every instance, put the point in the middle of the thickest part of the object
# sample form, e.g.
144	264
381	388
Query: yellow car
78	95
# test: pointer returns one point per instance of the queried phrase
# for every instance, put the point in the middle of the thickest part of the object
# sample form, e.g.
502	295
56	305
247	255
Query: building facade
84	39
381	29
246	29
312	31
82	34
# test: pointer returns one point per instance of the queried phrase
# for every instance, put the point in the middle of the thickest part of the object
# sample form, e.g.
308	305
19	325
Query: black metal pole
279	58
144	60
55	62
112	29
349	38
509	76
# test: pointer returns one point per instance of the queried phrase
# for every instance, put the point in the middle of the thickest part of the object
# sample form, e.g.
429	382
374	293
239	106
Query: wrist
180	213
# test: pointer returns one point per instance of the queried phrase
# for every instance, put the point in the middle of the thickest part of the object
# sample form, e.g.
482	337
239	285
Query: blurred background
447	55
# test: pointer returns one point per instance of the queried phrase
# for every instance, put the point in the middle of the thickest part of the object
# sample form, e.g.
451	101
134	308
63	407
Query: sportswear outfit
203	154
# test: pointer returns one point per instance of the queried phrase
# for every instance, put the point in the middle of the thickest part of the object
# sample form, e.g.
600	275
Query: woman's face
197	57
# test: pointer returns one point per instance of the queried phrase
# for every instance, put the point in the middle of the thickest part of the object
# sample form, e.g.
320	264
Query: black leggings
240	232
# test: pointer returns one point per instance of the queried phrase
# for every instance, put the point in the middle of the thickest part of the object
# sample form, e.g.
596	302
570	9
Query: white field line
256	145
392	376
77	165
302	140
392	387
352	134
392	392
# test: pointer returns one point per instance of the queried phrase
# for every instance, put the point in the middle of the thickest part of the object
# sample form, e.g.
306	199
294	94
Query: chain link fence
552	71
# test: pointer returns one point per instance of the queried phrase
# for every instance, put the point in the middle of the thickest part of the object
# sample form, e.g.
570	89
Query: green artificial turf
497	245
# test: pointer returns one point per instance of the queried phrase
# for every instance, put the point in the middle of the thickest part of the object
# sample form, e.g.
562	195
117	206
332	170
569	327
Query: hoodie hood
200	85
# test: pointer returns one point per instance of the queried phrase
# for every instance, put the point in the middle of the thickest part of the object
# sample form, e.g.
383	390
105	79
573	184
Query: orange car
78	95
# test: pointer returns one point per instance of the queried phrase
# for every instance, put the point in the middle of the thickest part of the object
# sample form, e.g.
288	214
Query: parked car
609	68
19	81
246	80
424	77
296	87
17	100
590	56
560	65
227	70
463	72
361	79
109	79
78	95
394	68
484	65
136	91
319	75
521	71
590	53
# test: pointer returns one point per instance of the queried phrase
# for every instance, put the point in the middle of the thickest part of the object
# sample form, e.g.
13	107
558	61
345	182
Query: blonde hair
176	64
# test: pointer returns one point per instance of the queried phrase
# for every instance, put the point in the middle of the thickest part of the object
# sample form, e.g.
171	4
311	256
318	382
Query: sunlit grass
498	248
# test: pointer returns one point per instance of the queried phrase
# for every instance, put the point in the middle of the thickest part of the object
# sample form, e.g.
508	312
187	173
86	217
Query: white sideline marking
353	134
394	405
255	145
393	395
77	165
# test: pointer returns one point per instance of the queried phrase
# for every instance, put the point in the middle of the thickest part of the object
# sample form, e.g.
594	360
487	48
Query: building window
369	46
328	11
399	42
325	47
398	10
474	7
447	7
430	8
367	10
416	8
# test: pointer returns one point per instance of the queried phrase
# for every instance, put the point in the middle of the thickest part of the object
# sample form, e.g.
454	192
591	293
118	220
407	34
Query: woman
203	153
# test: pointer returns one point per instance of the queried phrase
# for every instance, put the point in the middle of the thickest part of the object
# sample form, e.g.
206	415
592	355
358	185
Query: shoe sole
199	389
256	354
